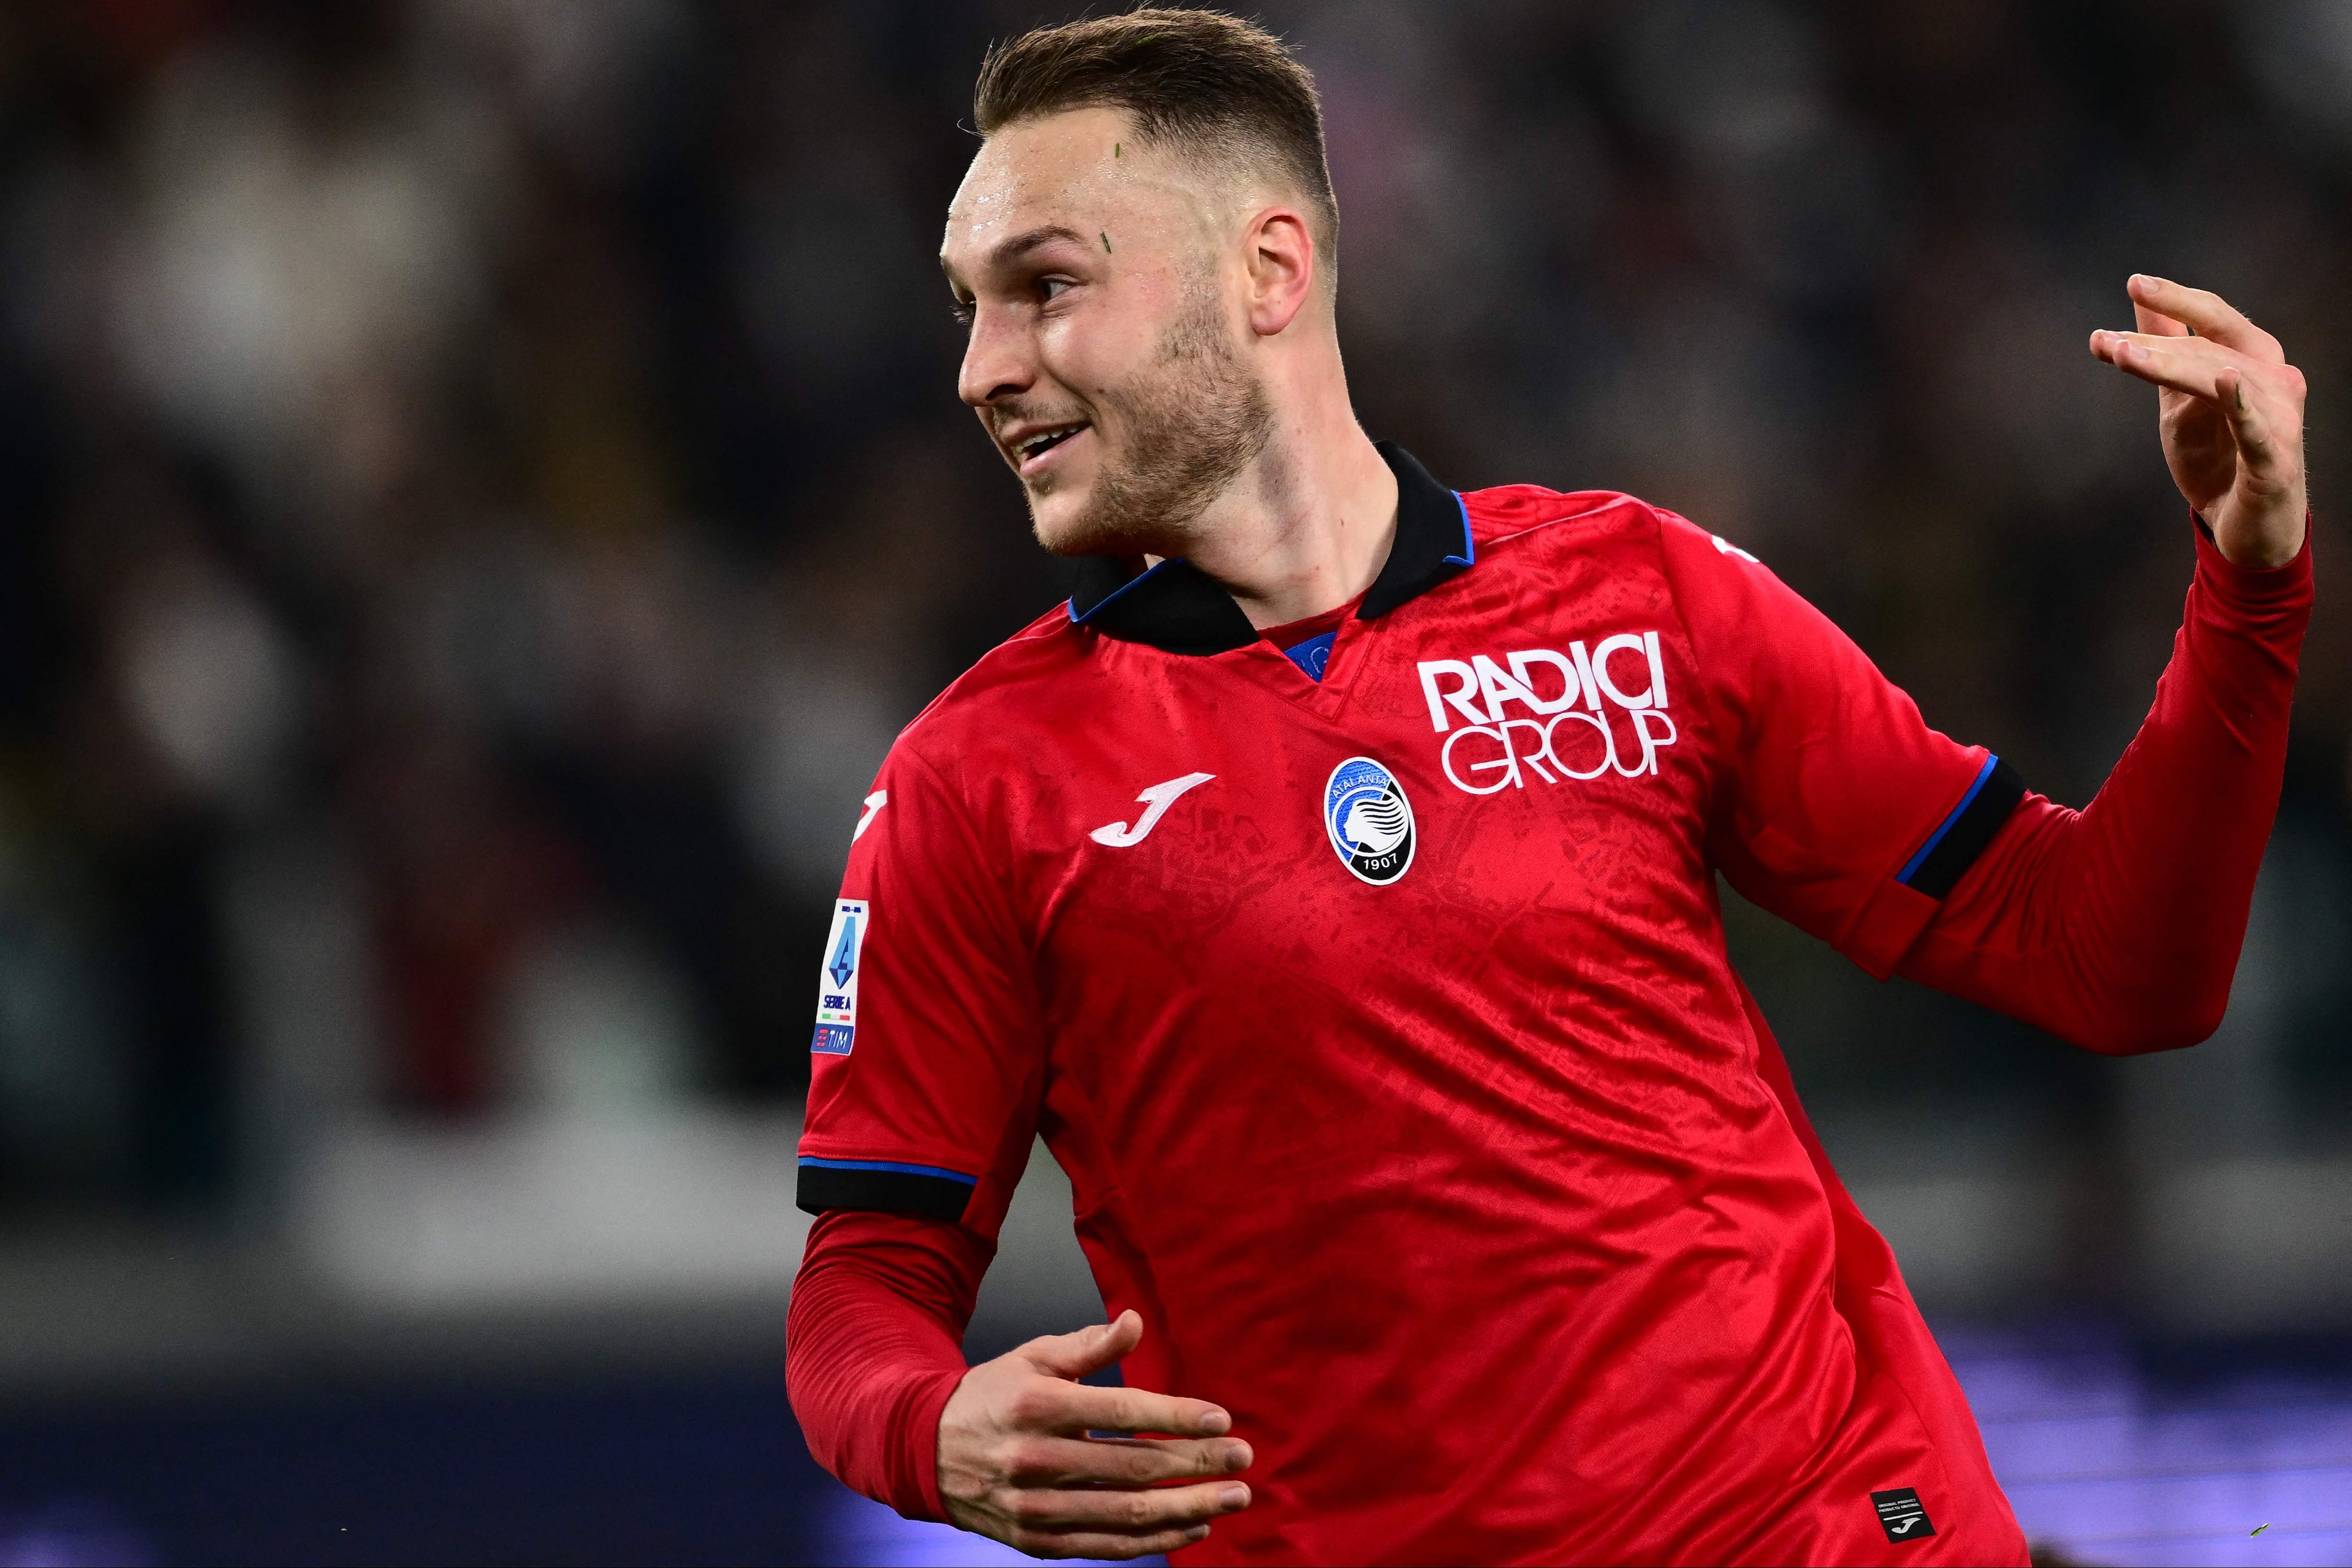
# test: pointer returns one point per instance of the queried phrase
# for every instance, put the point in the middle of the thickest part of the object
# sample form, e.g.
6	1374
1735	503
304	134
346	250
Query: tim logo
1576	715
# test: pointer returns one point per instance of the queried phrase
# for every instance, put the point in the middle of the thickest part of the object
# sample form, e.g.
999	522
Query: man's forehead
1040	171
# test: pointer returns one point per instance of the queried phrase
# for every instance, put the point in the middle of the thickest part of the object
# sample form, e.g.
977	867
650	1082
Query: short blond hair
1207	84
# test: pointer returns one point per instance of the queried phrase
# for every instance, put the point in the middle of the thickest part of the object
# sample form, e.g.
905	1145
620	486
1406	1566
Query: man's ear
1280	249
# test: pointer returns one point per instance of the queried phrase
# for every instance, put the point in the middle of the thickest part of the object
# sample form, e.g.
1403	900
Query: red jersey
1385	1028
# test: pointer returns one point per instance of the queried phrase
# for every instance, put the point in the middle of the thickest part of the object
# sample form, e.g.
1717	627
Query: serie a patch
837	983
1901	1514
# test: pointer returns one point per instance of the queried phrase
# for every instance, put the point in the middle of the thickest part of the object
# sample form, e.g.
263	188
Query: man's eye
962	310
1052	287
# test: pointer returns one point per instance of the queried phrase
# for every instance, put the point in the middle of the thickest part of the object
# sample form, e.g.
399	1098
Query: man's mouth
1030	452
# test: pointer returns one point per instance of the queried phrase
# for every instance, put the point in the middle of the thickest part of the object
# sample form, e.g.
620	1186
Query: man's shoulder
1020	686
1536	524
1517	518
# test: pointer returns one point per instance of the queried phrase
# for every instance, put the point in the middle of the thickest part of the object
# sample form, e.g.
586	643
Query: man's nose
996	362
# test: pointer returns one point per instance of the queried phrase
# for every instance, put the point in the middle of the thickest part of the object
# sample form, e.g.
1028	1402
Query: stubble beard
1192	423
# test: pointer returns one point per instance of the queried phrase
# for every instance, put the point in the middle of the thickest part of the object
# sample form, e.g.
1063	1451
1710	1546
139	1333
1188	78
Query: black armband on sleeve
925	1192
1954	847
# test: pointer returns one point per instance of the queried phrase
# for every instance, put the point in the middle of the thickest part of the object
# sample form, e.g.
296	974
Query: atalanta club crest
1368	819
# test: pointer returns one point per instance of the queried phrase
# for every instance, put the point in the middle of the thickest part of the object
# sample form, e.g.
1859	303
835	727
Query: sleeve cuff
2262	587
918	1446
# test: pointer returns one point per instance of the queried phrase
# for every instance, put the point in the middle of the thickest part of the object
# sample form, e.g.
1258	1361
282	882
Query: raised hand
1017	1463
2231	412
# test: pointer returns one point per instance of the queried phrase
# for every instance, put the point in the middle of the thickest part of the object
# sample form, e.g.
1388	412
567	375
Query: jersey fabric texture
1384	1027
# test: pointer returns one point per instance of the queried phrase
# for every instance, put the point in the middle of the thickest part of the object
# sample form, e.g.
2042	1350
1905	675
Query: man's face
1104	360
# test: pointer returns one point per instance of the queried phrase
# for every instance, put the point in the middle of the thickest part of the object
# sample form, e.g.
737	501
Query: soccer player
1331	883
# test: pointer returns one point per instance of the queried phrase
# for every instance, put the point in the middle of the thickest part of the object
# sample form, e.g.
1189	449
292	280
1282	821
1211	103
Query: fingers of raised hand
2208	313
2269	466
2193	365
2182	363
2156	324
1034	1461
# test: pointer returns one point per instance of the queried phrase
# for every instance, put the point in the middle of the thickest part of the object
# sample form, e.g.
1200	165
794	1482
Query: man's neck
1305	528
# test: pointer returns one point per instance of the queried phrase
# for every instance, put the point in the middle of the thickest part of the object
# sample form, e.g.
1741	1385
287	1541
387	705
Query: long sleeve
2118	927
874	1347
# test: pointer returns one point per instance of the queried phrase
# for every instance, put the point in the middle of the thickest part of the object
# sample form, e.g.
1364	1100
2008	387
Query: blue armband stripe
1963	835
891	1165
892	1186
1911	867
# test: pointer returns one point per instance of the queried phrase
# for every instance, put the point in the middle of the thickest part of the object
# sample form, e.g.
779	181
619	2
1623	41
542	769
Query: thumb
1090	1349
2247	425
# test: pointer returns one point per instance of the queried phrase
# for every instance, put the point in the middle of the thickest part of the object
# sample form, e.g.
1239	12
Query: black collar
1178	608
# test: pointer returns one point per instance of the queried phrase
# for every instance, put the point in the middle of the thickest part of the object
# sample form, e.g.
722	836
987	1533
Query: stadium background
480	486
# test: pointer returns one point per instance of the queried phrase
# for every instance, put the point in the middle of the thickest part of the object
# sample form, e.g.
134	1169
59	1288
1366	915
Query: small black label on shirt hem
1901	1515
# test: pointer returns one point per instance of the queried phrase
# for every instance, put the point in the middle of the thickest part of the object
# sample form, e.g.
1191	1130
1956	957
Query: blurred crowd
481	482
